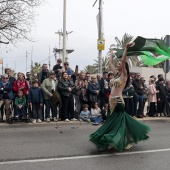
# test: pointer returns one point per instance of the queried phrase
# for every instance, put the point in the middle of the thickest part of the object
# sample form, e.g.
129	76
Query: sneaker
89	120
55	119
34	121
16	116
48	119
162	114
81	120
73	119
39	121
128	146
66	120
95	123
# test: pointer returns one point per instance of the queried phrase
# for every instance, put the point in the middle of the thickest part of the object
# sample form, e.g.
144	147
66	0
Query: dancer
120	129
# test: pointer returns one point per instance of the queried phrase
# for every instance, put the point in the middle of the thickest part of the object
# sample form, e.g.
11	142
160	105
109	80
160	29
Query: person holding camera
49	88
66	87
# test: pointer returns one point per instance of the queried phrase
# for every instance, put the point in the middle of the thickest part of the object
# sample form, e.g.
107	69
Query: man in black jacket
161	96
138	97
103	88
8	72
57	68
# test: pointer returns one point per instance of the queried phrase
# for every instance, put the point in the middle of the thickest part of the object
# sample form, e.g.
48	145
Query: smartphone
76	66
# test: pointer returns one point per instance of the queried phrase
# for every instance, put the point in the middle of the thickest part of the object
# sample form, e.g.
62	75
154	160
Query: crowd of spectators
63	94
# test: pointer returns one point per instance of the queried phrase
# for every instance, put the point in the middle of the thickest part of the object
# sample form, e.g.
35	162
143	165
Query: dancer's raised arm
123	59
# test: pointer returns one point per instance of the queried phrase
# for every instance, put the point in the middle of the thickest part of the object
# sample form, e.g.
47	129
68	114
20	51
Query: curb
71	123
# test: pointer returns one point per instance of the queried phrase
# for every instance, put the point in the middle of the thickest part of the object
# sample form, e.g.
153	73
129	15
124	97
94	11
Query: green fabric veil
151	51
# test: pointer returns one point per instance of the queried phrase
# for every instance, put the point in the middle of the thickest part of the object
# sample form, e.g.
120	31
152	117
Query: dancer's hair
128	74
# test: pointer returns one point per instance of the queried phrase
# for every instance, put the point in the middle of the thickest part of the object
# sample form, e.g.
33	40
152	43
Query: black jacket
64	85
136	84
162	91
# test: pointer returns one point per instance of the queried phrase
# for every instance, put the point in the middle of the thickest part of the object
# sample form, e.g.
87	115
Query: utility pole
101	41
49	62
26	60
31	57
64	32
100	33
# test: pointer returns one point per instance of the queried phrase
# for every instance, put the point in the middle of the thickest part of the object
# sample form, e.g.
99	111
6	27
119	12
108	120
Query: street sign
100	44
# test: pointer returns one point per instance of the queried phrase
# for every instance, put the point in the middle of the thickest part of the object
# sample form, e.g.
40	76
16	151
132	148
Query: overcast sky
147	18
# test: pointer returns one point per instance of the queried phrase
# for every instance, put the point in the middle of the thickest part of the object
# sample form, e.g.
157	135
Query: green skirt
119	130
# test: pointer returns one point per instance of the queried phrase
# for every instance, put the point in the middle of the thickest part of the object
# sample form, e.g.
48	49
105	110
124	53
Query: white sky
147	18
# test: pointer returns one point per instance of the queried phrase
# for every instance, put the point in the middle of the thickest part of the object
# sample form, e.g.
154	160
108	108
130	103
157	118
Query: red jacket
20	85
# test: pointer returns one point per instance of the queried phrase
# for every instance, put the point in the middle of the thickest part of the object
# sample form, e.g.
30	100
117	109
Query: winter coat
152	94
6	90
35	95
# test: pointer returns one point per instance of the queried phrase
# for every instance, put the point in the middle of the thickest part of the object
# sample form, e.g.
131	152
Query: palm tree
35	68
132	61
105	64
90	69
122	43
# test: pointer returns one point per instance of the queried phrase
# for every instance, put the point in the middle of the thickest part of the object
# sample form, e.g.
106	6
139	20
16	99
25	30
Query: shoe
95	123
74	119
89	120
16	116
39	121
140	116
34	121
81	120
128	146
162	114
48	119
66	120
55	119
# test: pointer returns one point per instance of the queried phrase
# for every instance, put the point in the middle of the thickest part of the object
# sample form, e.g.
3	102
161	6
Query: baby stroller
20	118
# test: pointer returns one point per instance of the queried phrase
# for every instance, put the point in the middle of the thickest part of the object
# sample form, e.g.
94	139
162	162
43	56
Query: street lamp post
64	32
100	33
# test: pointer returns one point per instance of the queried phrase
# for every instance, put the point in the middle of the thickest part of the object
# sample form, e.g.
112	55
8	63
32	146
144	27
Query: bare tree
16	19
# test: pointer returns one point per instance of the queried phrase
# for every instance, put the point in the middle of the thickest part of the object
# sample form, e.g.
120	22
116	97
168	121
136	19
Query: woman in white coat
152	99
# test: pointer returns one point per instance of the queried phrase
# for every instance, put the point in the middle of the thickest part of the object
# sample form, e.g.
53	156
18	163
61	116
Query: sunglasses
66	64
5	78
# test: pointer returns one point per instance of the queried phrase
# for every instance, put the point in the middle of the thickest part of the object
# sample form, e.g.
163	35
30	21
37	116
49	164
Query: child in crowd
20	103
104	112
35	100
96	116
85	113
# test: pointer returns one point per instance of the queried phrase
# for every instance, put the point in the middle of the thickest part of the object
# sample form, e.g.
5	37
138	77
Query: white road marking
82	157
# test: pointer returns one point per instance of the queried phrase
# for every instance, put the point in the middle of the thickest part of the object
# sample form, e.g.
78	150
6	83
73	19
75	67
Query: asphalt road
66	147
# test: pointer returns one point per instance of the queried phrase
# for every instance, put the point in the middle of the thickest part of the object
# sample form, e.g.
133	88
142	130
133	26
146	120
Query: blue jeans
48	106
96	119
84	118
138	111
21	111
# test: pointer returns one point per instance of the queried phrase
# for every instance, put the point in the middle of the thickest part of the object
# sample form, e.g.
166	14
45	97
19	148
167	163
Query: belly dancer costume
120	129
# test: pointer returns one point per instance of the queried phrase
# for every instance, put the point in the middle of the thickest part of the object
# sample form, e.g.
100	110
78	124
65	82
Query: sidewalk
73	123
